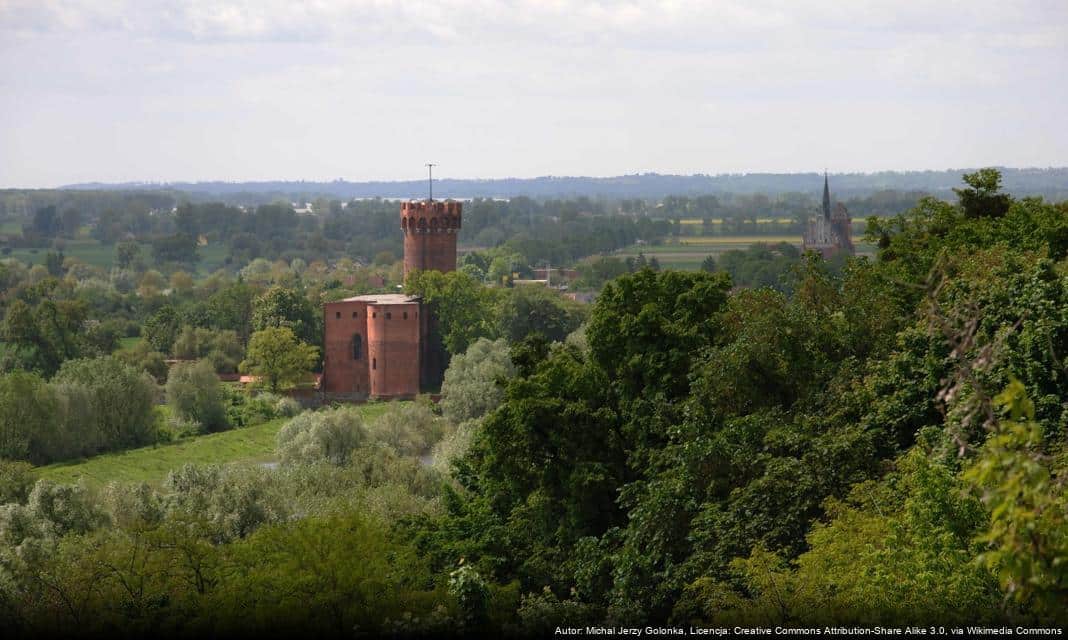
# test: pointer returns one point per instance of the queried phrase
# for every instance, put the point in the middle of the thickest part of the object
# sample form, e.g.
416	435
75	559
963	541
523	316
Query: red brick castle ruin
386	345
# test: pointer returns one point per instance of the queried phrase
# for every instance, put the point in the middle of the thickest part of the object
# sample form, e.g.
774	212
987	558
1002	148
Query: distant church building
830	233
387	345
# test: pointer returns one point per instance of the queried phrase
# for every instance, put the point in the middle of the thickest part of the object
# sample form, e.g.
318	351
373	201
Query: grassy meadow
248	445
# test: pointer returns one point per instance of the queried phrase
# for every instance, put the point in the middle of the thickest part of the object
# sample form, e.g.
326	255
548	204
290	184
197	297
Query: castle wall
345	364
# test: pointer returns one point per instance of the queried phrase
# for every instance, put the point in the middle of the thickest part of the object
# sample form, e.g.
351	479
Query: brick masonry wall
430	230
394	349
342	373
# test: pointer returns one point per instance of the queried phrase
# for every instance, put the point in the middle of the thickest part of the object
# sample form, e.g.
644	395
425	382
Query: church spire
826	198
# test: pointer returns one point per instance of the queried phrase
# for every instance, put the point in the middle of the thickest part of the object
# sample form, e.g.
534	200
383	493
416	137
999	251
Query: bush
453	447
195	394
409	428
16	481
121	400
144	357
472	386
60	509
246	410
231	501
330	435
378	464
178	427
222	348
76	436
27	418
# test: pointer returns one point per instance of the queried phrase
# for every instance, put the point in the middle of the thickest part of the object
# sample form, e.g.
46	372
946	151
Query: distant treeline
1051	183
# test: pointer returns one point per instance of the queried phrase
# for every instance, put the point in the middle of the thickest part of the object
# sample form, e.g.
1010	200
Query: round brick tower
393	347
430	230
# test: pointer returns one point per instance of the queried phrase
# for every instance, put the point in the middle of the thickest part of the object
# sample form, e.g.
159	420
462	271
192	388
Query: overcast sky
162	90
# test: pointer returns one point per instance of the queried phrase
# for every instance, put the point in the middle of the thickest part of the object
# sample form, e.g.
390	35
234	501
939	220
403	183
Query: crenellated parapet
430	229
431	217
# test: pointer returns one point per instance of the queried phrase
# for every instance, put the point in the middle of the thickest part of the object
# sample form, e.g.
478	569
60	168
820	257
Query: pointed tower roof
826	198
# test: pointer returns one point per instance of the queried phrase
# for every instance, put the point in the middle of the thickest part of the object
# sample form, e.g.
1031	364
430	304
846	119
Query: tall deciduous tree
463	307
195	393
284	307
278	359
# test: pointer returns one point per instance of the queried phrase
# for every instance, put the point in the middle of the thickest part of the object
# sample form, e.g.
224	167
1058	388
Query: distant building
557	276
586	297
829	233
388	345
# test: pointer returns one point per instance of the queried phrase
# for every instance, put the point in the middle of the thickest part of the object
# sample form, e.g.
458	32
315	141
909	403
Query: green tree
322	436
646	328
46	222
278	359
284	307
180	248
71	222
54	263
121	400
1027	541
128	254
27	418
462	306
161	328
231	308
524	310
195	393
475	380
982	199
41	338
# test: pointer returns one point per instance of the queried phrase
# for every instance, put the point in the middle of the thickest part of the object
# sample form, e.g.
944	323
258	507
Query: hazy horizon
117	91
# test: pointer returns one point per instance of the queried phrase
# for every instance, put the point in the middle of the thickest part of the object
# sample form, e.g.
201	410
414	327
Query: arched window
374	363
422	223
389	315
357	346
433	223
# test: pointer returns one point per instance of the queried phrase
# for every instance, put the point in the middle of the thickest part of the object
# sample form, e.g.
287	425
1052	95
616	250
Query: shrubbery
248	409
474	382
322	436
195	394
90	406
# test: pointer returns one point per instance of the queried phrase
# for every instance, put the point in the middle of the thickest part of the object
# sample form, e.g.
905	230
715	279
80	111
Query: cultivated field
687	252
249	445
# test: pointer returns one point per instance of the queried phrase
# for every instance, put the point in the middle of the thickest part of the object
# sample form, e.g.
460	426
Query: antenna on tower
430	167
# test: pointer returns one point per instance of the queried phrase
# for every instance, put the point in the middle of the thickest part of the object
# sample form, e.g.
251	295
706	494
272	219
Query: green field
88	251
716	221
688	252
249	445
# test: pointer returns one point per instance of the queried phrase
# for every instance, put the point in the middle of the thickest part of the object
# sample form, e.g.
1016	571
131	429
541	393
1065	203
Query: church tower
829	233
826	198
